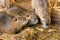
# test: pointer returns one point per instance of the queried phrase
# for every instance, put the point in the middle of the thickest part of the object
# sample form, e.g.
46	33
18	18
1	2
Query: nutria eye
15	19
27	15
43	17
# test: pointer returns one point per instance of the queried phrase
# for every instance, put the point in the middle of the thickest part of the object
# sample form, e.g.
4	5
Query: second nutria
11	25
41	7
16	10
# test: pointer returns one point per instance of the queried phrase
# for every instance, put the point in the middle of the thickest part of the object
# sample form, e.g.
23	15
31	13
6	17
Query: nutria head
18	22
32	19
45	20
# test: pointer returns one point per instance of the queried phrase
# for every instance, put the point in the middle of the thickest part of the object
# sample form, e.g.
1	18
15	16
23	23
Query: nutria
41	7
11	25
16	10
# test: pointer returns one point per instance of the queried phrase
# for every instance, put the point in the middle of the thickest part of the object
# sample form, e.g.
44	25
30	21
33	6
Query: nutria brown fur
11	25
41	7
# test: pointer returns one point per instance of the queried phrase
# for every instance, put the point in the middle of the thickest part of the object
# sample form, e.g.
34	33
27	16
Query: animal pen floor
35	32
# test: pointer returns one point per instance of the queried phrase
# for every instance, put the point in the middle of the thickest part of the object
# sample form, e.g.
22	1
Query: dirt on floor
35	33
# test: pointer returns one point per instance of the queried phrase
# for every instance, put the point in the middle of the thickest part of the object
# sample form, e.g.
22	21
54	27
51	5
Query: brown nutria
11	25
16	10
41	10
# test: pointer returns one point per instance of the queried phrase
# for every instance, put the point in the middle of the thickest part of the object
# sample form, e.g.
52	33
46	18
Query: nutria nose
47	24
